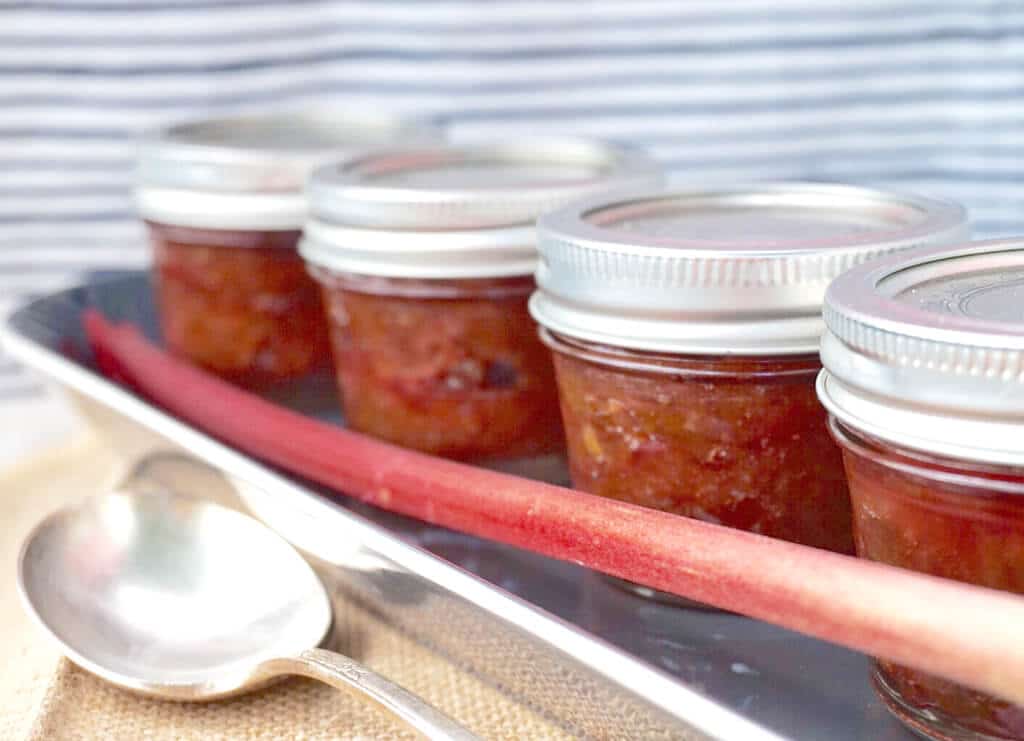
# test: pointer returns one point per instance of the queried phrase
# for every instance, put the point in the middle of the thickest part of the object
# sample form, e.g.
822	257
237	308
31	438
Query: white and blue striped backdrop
921	95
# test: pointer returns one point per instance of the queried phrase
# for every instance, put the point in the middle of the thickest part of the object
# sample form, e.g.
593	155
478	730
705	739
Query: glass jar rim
966	473
496	288
646	362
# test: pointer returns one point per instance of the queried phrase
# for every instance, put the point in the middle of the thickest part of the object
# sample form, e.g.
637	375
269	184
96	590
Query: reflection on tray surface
798	686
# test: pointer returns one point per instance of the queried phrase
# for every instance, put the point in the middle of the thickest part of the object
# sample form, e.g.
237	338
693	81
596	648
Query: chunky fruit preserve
950	519
735	441
452	367
240	304
923	366
427	258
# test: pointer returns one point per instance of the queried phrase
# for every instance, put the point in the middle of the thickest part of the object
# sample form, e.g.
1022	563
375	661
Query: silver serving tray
595	660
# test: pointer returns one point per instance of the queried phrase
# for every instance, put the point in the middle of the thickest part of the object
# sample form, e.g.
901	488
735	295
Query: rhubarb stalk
965	633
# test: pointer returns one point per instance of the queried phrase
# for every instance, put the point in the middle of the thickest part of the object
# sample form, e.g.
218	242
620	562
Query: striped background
909	94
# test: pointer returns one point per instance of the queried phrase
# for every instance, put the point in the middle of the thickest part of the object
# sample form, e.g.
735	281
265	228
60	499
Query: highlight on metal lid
249	171
480	186
925	349
731	270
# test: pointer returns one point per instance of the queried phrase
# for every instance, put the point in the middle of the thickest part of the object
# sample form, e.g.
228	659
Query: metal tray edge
311	523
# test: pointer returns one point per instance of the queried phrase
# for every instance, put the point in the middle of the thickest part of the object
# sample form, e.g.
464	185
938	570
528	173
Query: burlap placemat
43	696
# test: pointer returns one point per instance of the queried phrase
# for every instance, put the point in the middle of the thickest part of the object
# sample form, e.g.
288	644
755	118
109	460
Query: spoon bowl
180	598
170	596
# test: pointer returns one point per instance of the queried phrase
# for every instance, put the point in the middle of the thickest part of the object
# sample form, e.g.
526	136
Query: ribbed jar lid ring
478	186
926	348
739	270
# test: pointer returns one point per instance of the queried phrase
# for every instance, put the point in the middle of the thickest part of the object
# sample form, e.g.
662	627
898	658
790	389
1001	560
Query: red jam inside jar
238	303
741	442
924	381
427	258
951	519
450	367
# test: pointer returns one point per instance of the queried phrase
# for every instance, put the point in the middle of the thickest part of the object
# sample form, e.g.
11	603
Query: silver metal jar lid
456	211
249	172
734	270
925	349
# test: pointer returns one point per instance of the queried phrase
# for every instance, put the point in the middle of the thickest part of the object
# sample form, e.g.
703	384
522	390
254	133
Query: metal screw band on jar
925	349
470	253
248	172
456	212
473	187
740	270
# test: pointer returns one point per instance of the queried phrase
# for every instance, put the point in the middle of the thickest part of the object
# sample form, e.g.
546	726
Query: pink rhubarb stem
965	633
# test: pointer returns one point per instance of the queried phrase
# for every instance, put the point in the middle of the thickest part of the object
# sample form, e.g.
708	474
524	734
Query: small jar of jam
685	329
426	259
924	380
223	200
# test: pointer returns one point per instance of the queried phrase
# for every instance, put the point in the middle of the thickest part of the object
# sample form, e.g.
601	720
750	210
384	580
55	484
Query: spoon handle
346	674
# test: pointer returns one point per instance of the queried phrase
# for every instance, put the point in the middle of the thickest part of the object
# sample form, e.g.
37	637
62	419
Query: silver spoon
179	598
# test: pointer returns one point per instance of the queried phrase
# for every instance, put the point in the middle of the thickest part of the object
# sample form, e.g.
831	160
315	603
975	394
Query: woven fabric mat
43	696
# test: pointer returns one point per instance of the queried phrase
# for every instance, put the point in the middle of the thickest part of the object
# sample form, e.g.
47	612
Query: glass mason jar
923	368
685	330
426	259
224	205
